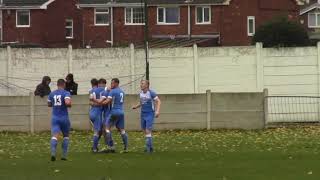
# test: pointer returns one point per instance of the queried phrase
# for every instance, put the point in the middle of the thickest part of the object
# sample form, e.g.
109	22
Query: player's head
102	82
61	83
94	82
46	80
144	85
115	83
69	78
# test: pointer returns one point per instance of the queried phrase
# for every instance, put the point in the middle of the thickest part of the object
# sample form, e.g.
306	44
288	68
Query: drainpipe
111	27
189	22
1	16
1	24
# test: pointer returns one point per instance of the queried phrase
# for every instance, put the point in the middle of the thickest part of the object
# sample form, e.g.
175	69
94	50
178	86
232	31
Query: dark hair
61	82
102	81
94	82
70	77
45	79
116	80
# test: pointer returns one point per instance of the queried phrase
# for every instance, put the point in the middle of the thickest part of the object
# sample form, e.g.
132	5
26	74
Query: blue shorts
59	125
147	120
115	120
96	118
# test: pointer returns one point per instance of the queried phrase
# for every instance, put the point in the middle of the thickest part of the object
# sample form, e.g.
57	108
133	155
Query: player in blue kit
115	98
95	113
59	100
104	94
150	108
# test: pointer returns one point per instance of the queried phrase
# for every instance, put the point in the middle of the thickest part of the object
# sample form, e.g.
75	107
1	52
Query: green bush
281	32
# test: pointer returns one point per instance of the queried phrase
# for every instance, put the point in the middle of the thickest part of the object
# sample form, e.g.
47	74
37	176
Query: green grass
280	154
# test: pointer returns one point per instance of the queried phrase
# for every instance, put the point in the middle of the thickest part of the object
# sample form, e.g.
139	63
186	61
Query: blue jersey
147	100
96	93
117	97
57	99
105	94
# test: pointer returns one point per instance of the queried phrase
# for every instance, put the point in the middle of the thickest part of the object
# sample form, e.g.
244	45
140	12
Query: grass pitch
279	154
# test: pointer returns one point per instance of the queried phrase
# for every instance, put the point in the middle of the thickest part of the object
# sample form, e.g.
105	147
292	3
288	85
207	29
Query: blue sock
95	142
65	144
125	140
109	140
53	143
149	143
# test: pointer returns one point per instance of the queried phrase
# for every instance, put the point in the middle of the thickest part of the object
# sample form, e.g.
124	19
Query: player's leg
143	125
55	130
149	119
124	135
94	118
103	127
108	124
65	128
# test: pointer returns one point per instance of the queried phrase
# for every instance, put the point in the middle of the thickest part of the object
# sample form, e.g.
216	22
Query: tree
281	32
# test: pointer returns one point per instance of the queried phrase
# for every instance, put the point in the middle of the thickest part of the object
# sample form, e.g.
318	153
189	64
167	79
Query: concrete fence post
208	92
132	68
265	106
195	69
70	58
32	112
259	68
318	77
8	68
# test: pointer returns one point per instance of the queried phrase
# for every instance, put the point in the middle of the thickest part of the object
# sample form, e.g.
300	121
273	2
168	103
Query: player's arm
67	100
157	102
49	104
136	106
157	106
50	100
92	99
107	101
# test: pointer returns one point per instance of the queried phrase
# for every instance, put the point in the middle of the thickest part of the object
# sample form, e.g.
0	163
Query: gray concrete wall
184	111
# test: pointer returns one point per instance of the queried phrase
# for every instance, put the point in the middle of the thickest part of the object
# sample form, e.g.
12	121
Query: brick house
40	22
310	18
103	23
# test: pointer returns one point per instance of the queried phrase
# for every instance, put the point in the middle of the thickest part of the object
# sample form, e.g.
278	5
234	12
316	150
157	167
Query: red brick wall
234	21
202	29
125	34
33	34
95	36
57	13
47	26
180	29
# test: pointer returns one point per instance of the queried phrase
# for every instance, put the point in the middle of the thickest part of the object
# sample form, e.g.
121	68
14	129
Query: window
23	18
203	15
69	28
314	20
168	15
134	16
101	17
251	25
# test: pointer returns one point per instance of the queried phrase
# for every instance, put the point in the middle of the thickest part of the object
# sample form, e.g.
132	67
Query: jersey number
121	97
57	100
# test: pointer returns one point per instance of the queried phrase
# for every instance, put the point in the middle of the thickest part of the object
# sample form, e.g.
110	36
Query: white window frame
316	26
22	26
249	18
131	11
95	16
69	20
196	15
164	16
